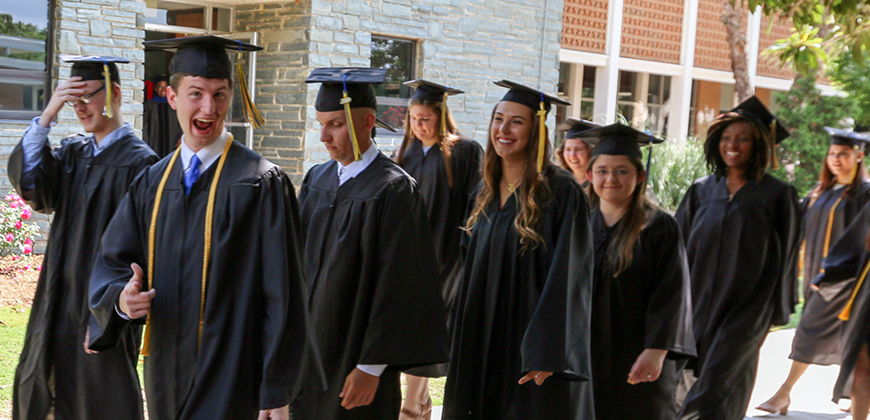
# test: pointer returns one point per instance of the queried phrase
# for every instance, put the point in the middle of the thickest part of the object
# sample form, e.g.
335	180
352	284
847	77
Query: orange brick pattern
584	25
711	47
652	30
769	66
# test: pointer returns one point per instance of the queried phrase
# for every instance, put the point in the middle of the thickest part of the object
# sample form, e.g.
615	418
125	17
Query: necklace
512	187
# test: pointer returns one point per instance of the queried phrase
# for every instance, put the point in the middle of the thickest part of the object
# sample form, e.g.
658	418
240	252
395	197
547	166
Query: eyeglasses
621	173
86	98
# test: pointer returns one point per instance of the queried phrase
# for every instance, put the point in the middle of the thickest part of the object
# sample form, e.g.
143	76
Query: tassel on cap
252	114
107	109
542	133
346	100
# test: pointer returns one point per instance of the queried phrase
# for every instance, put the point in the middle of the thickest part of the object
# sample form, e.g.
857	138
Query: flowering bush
16	235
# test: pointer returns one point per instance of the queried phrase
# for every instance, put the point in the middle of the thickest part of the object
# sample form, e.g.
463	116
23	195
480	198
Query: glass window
24	28
190	15
221	19
398	57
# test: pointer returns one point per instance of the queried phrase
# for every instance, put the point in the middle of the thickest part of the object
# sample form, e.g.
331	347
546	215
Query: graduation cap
160	78
430	91
206	56
536	100
575	126
620	140
345	88
848	138
97	67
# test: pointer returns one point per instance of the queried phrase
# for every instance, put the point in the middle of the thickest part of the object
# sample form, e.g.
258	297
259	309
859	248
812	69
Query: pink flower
28	241
18	225
10	237
28	249
15	258
38	268
27	267
13	204
25	214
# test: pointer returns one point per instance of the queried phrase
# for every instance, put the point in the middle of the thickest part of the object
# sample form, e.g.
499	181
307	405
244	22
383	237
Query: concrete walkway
811	397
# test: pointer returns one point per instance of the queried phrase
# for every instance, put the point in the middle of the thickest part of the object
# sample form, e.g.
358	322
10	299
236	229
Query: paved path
811	397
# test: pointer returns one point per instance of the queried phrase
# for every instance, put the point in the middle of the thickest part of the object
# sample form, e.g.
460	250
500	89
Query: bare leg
780	401
418	405
861	386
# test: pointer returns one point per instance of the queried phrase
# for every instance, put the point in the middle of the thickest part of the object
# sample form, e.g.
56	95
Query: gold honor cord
345	100
847	311
444	116
772	140
109	87
542	136
152	230
252	114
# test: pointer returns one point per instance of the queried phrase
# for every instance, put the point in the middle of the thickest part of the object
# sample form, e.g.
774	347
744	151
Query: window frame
391	101
46	75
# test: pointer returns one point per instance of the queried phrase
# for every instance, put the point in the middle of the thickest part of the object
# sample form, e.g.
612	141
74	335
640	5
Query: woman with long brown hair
524	300
446	167
641	304
741	227
836	201
573	155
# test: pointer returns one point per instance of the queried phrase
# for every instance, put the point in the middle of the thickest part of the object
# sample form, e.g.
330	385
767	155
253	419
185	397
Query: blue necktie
192	174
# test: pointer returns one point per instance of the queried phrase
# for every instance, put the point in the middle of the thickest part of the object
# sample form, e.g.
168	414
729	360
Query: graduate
521	332
641	305
81	183
574	153
160	127
446	167
370	262
843	190
741	227
206	250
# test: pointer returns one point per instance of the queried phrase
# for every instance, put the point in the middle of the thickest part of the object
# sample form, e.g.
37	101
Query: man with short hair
370	262
81	182
216	230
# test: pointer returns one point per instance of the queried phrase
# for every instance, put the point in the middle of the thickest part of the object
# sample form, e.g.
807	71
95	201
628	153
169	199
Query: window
643	100
24	28
188	17
398	57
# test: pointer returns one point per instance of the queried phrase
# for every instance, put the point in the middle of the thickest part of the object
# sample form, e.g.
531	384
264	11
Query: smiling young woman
523	307
741	231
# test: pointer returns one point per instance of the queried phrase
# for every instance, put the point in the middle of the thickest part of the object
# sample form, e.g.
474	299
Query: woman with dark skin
446	167
830	207
641	310
741	227
521	331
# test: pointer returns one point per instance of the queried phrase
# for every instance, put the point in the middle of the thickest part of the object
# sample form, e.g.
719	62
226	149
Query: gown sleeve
788	223
669	312
45	193
686	212
558	336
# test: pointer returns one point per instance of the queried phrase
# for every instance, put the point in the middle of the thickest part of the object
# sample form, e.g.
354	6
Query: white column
607	77
753	38
681	86
575	89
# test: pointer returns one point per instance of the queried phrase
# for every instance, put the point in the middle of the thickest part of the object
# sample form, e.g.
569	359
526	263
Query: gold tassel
108	78
252	114
542	136
772	140
847	311
345	100
444	116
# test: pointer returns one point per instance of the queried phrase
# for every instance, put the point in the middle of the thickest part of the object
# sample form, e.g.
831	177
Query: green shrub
675	166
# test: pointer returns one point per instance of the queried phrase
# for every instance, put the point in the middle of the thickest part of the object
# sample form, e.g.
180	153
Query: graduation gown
523	311
446	205
82	191
647	306
160	127
372	276
817	337
743	259
255	324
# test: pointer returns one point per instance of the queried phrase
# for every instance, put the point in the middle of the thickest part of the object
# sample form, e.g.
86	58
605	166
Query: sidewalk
811	397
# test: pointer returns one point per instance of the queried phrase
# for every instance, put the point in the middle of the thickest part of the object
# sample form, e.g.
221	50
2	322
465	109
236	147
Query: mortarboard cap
575	126
97	67
160	78
539	102
357	81
755	111
431	91
848	138
206	56
620	140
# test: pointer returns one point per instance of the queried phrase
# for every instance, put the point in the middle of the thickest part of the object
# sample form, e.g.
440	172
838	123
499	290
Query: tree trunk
732	18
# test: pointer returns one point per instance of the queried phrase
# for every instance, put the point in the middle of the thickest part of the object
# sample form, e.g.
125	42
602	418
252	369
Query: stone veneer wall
467	44
88	27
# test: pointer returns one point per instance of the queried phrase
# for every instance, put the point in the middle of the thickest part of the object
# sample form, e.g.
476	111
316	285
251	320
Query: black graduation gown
521	312
743	260
83	192
373	281
446	205
647	306
817	337
160	127
255	326
844	264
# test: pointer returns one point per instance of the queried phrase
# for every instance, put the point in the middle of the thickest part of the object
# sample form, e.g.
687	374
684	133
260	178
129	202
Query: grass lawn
11	341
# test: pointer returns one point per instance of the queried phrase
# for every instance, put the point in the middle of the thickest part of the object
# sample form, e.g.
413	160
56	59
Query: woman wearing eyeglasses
831	206
741	227
641	305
